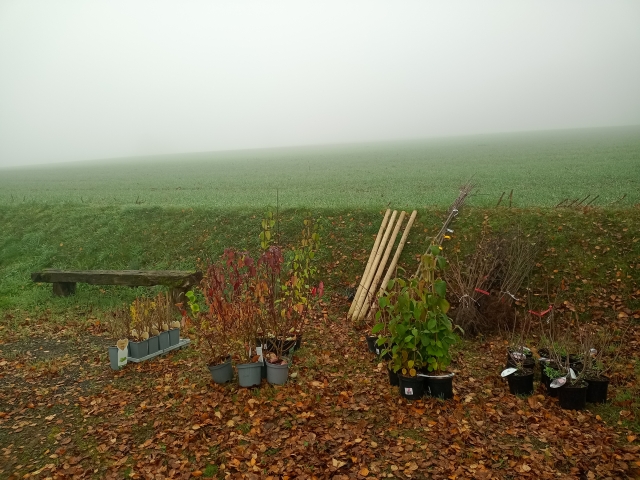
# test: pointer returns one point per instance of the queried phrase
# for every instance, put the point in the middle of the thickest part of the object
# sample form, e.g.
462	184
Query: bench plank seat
64	281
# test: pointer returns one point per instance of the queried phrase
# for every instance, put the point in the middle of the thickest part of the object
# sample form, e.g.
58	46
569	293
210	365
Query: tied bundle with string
469	279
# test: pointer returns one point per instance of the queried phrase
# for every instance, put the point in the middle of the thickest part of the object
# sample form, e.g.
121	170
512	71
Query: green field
542	169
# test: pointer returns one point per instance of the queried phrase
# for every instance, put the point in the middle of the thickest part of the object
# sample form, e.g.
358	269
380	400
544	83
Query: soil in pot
411	388
439	386
597	389
154	344
393	378
249	374
221	372
573	396
521	382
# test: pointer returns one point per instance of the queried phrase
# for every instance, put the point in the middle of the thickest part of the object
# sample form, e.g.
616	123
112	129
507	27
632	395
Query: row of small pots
250	374
571	396
154	344
422	385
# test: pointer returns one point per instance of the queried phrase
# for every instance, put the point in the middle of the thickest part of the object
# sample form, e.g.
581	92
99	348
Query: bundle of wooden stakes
370	287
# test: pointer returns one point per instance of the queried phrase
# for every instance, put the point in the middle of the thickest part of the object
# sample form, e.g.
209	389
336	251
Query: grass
542	169
587	255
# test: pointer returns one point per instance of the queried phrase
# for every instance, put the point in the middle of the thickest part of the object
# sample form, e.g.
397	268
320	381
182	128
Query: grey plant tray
181	344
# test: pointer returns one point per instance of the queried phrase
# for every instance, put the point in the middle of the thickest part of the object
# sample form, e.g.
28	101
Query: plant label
544	359
558	382
377	351
573	374
508	371
408	391
259	352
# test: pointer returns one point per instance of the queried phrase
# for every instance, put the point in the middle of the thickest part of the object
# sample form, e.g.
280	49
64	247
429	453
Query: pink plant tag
408	391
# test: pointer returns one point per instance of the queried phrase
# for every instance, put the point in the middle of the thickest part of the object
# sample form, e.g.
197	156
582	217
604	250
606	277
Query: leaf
364	471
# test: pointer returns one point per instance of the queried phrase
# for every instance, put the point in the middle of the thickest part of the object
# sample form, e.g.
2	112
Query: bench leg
64	289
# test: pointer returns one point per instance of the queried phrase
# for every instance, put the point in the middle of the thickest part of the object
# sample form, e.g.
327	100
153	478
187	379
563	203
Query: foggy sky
83	80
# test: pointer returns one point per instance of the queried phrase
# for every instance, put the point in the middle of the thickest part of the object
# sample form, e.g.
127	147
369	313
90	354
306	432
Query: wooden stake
369	293
372	270
372	255
396	257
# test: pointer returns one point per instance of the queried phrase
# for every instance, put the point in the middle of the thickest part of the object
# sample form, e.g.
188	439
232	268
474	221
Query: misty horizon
120	80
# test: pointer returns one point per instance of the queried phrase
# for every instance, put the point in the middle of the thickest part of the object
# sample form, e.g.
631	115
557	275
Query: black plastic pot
411	388
597	389
393	378
371	343
439	386
573	397
521	383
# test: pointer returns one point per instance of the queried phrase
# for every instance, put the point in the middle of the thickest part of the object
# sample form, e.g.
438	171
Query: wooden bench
64	281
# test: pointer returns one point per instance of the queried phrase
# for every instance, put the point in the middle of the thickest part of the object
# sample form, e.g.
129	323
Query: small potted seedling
212	329
118	327
174	333
601	351
520	362
550	371
139	346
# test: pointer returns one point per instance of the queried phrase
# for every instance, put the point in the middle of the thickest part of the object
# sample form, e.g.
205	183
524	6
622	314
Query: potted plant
288	295
600	352
246	301
520	362
213	326
118	328
421	333
549	372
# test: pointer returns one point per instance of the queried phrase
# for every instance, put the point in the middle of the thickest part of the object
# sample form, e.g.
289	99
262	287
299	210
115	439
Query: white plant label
377	351
544	359
408	391
558	382
572	373
508	371
259	352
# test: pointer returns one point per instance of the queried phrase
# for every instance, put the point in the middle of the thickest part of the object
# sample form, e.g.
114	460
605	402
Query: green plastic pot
277	374
249	374
139	349
221	373
174	336
154	344
164	340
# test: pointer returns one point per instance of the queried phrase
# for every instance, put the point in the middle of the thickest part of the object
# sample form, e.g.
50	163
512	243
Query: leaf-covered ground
65	414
